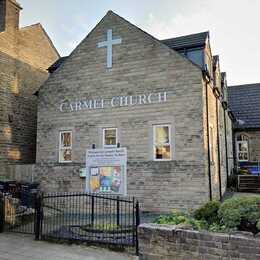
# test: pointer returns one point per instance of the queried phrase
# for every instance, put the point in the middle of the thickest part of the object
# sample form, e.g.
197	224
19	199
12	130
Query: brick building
165	101
25	55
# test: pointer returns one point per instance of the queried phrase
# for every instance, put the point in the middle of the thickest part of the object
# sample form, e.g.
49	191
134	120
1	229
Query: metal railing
18	212
92	218
80	217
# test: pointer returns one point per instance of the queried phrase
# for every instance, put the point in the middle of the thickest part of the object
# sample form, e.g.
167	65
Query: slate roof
57	64
196	40
187	41
244	102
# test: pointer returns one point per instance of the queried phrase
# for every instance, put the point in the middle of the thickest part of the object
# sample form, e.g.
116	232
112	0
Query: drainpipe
233	119
226	148
207	117
235	160
219	170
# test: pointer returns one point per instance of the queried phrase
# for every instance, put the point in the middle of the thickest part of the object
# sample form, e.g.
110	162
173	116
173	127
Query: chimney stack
9	15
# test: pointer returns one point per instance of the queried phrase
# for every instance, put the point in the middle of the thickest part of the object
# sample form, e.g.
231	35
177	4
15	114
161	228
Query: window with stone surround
110	139
65	147
162	150
242	148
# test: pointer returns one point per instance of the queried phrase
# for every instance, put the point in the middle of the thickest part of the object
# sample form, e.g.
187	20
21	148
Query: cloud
234	32
233	25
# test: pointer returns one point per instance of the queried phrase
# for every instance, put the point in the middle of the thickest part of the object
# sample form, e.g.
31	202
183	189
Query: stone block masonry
143	178
157	242
25	55
142	67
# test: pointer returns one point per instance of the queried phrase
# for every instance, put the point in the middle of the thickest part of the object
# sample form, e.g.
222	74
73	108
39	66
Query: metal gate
80	217
91	218
18	212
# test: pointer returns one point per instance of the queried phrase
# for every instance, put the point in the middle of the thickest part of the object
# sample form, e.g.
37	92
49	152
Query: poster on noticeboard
106	170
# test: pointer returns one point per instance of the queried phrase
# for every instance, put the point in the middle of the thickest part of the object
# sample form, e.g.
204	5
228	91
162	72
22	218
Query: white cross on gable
109	44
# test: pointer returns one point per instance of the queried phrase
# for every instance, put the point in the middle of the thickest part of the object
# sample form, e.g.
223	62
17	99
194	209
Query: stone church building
165	101
25	55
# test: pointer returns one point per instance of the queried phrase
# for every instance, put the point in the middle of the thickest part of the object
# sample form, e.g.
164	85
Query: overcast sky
233	25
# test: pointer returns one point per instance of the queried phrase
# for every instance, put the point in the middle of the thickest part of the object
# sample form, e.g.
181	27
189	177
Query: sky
233	25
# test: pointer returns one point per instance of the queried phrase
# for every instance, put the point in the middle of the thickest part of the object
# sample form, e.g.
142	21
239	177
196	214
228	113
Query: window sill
162	160
66	162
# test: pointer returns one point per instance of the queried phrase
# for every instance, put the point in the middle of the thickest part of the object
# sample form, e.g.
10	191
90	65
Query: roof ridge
44	32
245	85
192	34
110	12
151	36
28	26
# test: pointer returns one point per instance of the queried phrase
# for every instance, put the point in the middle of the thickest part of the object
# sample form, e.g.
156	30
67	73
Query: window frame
246	140
62	148
154	143
103	138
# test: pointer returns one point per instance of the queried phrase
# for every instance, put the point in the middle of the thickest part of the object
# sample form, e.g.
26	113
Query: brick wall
168	242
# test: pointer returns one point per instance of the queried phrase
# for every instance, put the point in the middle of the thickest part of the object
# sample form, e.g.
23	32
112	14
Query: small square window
110	137
65	147
162	144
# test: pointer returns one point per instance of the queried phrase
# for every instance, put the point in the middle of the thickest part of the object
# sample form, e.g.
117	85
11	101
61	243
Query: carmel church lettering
117	101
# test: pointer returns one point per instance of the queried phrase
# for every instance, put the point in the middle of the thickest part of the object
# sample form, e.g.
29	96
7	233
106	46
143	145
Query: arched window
242	147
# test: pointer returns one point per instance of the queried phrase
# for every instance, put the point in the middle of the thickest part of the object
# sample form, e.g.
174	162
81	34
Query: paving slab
24	247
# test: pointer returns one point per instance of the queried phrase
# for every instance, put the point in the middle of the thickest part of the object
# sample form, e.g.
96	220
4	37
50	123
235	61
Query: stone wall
165	242
216	119
141	65
145	180
18	106
25	55
18	172
212	123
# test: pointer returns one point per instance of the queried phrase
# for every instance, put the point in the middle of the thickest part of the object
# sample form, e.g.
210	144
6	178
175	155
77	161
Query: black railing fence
18	212
81	217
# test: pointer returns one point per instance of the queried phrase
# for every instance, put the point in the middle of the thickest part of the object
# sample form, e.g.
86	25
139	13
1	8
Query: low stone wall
157	242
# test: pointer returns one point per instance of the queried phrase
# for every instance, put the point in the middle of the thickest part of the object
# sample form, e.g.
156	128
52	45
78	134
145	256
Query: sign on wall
106	170
118	101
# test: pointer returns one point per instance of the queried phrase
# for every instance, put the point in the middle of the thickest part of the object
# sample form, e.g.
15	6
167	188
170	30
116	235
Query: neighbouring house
244	101
25	55
164	100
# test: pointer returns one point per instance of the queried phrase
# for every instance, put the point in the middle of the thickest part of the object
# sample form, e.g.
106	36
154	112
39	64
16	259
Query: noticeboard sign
106	170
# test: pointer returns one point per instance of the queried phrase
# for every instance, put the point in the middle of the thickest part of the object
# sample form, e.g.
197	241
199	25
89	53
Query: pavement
23	247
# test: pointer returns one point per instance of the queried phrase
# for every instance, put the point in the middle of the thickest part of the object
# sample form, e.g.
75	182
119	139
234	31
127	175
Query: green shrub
216	227
208	212
258	224
177	218
233	214
234	211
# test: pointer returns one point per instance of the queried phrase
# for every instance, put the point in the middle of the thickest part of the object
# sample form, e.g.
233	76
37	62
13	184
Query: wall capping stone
170	242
